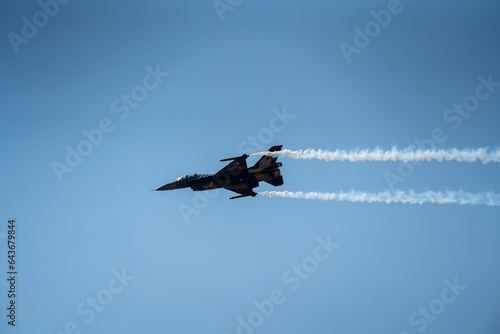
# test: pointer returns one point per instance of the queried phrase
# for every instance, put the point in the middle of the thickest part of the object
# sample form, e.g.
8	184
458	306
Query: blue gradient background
199	275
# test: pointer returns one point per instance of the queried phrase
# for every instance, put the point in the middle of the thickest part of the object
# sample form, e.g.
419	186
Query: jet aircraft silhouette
236	176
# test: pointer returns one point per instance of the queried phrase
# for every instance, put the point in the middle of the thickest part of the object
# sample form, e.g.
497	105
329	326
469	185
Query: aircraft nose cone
168	186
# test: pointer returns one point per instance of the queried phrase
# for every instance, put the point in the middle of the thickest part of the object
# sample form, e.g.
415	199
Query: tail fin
267	160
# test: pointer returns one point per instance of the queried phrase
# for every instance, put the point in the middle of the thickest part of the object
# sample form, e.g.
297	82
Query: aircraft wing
242	189
237	167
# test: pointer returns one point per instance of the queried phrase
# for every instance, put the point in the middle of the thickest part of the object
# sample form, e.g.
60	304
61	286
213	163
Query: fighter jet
236	176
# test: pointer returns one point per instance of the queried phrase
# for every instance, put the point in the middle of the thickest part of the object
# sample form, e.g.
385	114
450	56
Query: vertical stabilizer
267	160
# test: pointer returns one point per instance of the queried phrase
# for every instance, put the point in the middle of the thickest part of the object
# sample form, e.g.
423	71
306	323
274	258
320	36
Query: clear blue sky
99	252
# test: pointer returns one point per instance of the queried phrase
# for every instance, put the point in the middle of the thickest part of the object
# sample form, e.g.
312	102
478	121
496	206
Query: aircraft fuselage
201	182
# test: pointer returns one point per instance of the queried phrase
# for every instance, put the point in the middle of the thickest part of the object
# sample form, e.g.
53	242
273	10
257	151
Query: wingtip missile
244	156
253	194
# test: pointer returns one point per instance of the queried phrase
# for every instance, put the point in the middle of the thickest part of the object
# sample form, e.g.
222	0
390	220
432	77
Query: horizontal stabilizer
277	181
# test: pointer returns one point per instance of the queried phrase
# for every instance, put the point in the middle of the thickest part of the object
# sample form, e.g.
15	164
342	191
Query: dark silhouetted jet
236	176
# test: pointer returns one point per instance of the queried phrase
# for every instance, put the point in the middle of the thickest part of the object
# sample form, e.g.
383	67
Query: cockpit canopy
187	177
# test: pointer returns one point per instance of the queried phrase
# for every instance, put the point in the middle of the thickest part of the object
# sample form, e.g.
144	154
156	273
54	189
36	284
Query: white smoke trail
409	197
468	155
